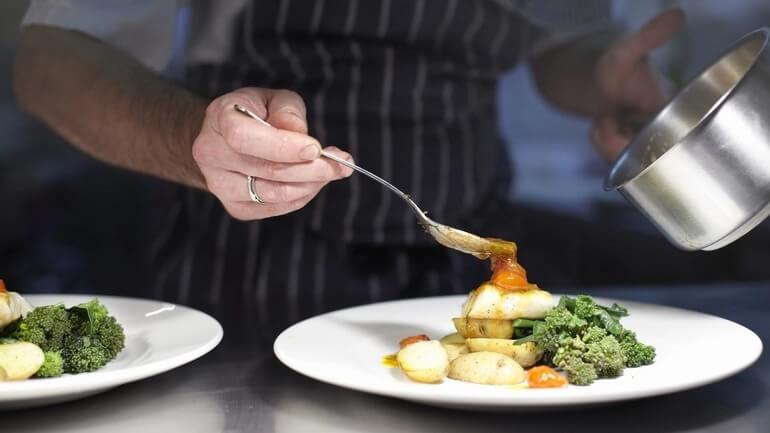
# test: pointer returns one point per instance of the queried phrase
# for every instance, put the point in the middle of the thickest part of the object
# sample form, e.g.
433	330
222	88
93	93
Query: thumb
653	34
286	110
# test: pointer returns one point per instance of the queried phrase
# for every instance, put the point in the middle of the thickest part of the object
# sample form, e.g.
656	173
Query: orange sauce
545	377
508	274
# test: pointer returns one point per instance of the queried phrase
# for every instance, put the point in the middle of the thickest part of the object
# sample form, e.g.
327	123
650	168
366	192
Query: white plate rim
538	398
102	379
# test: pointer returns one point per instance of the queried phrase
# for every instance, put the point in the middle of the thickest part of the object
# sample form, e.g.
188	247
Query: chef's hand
630	88
284	161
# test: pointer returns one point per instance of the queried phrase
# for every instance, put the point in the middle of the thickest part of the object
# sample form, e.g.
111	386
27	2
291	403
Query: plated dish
153	344
345	348
48	341
511	332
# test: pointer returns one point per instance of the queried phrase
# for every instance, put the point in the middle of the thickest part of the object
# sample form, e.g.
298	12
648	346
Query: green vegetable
635	353
79	339
46	327
53	366
585	340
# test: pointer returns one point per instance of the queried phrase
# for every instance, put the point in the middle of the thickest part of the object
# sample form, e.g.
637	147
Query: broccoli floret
53	366
578	371
606	357
84	354
97	338
46	326
76	340
587	340
593	334
558	324
635	353
111	336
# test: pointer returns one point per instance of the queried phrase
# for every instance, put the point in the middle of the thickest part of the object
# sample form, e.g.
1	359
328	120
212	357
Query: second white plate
345	348
159	337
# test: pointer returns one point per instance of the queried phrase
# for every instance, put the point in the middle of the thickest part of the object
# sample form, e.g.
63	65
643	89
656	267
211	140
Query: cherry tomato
413	339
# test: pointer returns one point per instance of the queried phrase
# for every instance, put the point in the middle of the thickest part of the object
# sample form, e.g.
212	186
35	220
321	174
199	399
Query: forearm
108	105
566	74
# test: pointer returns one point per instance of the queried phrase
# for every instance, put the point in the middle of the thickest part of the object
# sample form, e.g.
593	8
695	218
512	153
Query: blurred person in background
407	87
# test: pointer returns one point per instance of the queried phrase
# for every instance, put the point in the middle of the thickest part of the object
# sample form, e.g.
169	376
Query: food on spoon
526	354
424	361
482	248
12	306
20	360
487	368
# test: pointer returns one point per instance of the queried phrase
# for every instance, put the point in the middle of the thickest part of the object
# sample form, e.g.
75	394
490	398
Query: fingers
655	33
609	137
229	186
247	136
286	110
217	155
283	160
252	211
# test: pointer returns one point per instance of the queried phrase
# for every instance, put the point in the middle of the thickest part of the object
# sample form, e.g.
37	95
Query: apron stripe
251	50
295	269
250	262
387	151
417	146
469	161
352	103
220	257
263	306
319	285
449	15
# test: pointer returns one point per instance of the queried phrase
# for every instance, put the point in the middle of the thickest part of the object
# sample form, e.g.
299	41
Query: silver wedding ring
252	192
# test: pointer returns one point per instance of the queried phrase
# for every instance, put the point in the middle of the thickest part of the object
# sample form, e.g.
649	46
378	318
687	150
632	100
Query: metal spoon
445	235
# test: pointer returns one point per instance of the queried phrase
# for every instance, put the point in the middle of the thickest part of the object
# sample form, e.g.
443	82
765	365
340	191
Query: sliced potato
424	361
455	350
454	344
487	368
526	354
20	360
453	338
483	328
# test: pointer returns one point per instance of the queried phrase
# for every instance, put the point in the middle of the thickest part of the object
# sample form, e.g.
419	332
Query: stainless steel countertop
241	387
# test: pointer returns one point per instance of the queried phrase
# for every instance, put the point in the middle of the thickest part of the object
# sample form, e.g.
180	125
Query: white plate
345	348
159	337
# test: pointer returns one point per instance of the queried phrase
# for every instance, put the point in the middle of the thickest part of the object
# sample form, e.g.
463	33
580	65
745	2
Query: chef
406	88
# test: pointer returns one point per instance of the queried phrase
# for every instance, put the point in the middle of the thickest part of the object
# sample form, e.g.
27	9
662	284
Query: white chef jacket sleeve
145	29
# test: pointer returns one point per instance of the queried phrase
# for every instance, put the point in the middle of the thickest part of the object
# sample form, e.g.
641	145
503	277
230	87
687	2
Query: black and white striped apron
407	87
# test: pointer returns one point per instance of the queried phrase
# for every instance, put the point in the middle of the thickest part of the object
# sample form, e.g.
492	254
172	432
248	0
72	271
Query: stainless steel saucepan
700	170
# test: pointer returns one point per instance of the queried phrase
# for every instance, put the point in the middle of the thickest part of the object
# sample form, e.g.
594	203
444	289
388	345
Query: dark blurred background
68	223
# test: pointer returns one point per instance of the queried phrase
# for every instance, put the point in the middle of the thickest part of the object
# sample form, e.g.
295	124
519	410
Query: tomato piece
413	339
545	377
2	286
